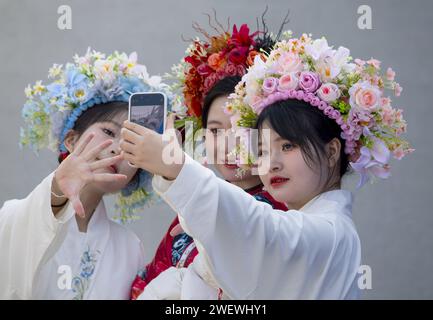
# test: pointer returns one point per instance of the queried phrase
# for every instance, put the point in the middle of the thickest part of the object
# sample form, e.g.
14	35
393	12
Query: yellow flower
38	87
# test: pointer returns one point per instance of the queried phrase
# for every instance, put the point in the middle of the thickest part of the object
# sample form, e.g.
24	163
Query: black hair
223	87
98	113
307	128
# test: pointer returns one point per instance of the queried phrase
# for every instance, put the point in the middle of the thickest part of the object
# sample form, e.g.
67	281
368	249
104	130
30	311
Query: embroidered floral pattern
80	283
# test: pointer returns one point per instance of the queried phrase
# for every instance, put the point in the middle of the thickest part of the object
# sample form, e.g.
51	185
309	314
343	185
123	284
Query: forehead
266	131
119	117
216	112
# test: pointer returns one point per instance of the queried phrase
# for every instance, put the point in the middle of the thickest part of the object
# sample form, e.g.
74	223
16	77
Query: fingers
83	144
105	163
90	155
129	157
170	121
127	146
139	130
78	206
129	135
108	177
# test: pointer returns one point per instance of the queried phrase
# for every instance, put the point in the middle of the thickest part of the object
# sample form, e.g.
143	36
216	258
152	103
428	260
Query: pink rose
287	82
270	85
240	70
329	92
365	96
309	81
289	62
210	81
231	69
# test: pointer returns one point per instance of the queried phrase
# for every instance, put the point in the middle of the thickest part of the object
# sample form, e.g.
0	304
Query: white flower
28	91
154	81
104	70
318	49
55	71
331	65
140	71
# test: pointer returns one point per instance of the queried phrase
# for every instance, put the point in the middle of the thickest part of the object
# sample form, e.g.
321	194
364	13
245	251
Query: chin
280	194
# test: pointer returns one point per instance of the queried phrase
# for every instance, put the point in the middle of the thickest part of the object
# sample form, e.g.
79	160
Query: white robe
46	257
252	251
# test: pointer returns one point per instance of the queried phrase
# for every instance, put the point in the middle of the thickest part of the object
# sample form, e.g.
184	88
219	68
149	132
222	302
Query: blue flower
78	86
133	84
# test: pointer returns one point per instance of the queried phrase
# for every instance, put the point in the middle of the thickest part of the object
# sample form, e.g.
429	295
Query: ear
70	140
333	149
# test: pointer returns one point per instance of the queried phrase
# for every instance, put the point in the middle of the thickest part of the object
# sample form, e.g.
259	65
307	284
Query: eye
214	131
287	146
108	132
262	152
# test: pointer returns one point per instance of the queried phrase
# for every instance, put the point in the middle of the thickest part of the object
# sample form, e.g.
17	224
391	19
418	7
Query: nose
114	148
275	164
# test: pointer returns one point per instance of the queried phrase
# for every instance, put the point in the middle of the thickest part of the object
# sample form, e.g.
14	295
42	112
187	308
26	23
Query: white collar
331	201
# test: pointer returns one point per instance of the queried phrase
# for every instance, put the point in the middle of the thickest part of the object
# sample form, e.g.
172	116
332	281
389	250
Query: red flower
242	38
238	55
204	70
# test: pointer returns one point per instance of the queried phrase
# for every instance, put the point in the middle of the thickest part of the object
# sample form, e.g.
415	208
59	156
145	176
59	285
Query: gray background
394	217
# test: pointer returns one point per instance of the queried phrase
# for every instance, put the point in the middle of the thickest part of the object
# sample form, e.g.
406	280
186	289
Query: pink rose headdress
351	93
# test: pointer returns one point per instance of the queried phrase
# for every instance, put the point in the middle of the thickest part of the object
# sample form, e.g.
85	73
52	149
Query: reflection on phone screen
151	117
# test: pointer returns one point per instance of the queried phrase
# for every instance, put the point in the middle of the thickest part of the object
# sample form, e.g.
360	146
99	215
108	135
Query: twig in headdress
265	27
286	20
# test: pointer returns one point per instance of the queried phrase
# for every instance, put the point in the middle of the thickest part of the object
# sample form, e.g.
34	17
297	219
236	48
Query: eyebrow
214	122
113	122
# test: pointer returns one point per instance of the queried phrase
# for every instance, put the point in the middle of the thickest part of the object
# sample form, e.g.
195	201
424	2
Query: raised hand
77	170
151	151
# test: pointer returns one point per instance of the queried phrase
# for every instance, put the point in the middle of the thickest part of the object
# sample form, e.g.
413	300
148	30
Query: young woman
206	83
321	112
58	242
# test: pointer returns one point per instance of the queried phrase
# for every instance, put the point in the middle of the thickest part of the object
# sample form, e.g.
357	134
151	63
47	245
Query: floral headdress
51	110
350	93
209	61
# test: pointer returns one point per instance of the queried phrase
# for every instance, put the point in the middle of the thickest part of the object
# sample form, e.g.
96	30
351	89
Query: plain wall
394	217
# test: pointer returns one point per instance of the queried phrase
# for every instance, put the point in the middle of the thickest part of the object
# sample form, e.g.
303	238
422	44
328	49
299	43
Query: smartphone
148	109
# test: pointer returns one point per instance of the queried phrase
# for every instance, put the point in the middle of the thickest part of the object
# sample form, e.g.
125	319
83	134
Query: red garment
180	251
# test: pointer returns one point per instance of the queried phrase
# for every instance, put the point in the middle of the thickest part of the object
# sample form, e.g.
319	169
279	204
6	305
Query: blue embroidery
80	283
262	198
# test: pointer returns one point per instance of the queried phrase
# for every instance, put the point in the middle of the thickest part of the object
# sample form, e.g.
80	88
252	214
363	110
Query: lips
230	166
278	181
113	168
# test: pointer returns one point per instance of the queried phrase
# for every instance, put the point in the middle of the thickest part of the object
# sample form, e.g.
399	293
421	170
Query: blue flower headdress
51	110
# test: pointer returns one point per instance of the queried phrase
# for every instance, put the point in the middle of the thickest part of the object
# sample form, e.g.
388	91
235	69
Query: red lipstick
278	181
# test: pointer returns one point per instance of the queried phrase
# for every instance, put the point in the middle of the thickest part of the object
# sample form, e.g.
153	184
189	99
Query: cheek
97	139
126	169
306	175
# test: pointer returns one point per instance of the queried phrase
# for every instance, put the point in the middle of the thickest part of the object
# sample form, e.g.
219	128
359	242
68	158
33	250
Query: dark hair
98	113
223	87
307	128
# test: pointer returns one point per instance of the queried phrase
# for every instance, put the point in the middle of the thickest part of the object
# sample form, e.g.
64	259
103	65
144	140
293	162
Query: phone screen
148	110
